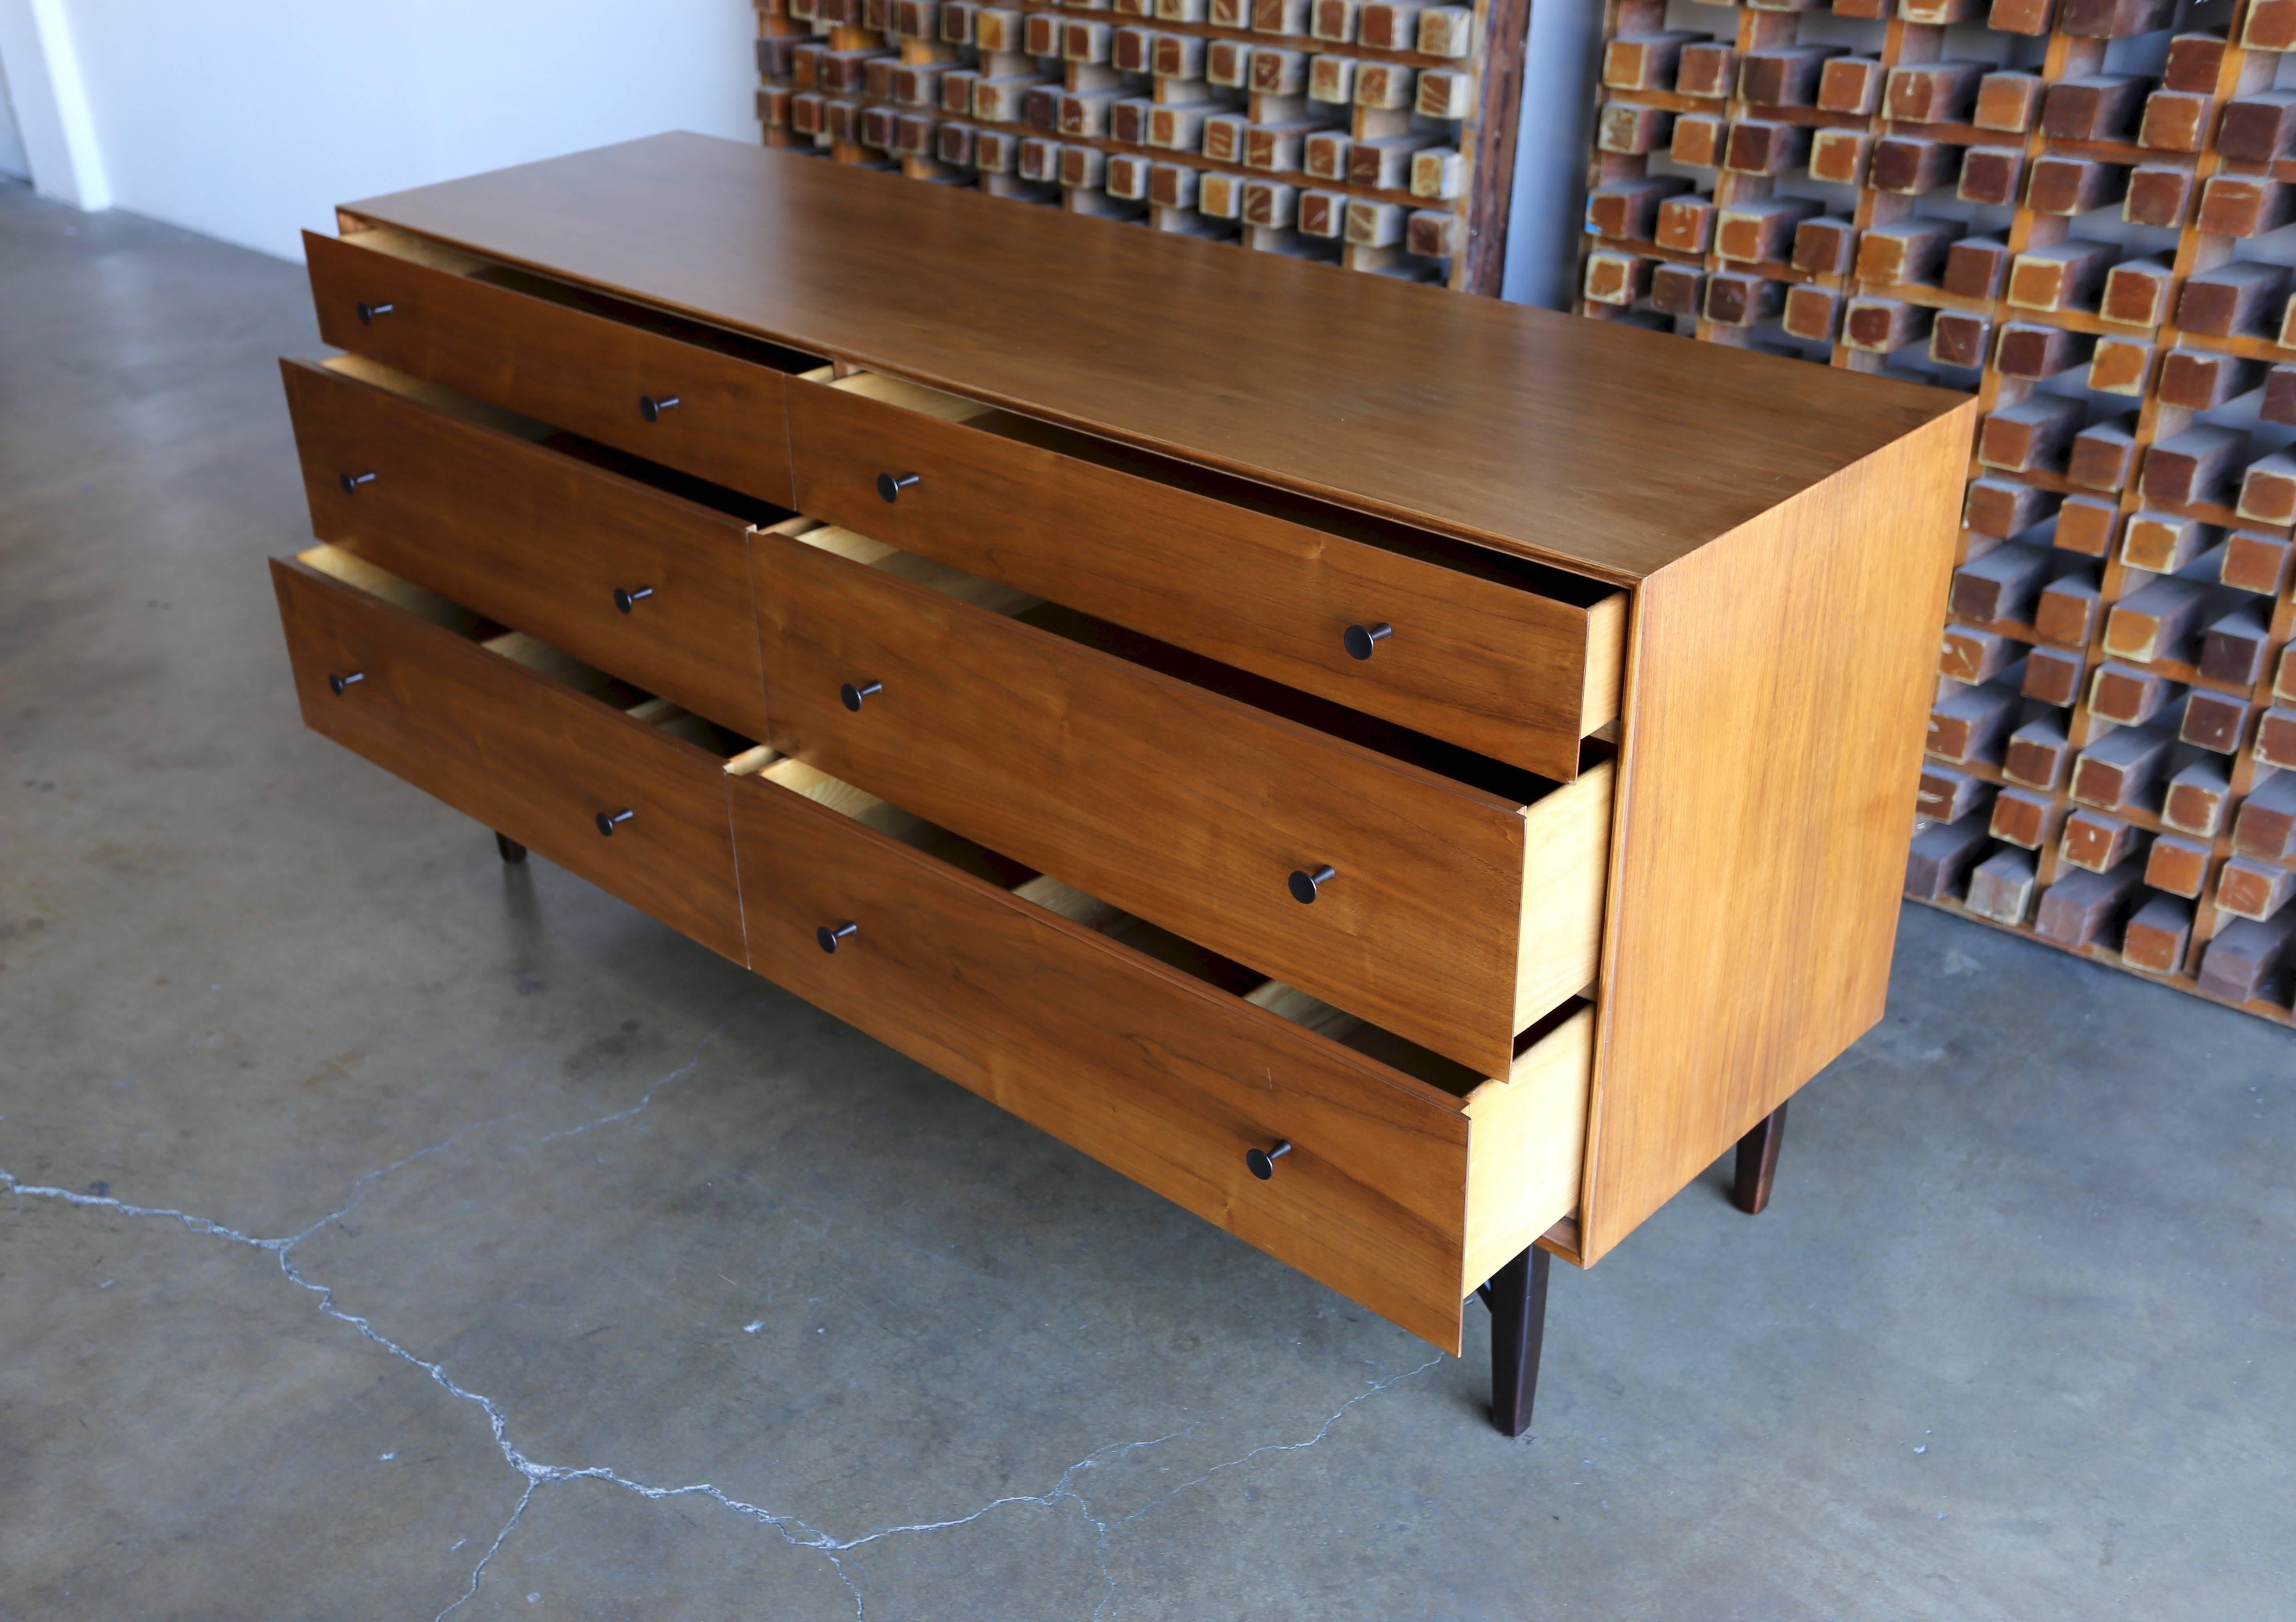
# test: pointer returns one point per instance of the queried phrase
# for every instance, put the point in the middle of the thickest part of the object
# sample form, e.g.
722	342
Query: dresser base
508	848
1517	1298
1757	1163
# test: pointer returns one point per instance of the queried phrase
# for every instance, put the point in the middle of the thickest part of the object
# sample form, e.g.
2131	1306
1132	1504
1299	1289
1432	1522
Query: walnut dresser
1413	798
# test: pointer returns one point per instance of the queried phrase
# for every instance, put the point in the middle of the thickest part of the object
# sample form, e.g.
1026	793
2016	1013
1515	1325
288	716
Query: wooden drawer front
518	752
1486	665
1183	806
1151	1072
576	369
534	539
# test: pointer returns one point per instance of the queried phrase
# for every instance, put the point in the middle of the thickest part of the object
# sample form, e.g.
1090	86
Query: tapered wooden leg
509	848
1757	1163
1517	1298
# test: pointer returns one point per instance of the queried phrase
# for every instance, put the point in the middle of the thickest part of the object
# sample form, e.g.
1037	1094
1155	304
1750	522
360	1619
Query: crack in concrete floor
793	1530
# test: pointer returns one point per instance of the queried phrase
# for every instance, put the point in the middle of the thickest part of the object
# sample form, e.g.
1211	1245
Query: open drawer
615	561
1445	895
1503	657
621	788
1407	1181
677	391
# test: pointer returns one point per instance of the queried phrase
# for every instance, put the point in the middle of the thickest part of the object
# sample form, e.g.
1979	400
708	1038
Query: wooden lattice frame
2033	817
1301	179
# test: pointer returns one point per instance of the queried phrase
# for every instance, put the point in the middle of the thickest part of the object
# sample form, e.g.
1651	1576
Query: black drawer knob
889	486
827	938
651	406
1361	639
853	695
340	684
1262	1161
626	600
351	481
368	312
1307	886
608	821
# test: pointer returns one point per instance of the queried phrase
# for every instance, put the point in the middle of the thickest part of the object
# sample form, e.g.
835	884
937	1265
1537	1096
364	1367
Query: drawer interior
1559	585
438	256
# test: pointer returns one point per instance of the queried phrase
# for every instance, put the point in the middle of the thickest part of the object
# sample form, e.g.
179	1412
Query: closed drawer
613	569
596	366
1401	1193
502	732
1457	909
1507	658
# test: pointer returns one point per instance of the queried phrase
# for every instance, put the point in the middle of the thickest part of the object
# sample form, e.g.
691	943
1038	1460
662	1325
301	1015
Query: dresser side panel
1776	687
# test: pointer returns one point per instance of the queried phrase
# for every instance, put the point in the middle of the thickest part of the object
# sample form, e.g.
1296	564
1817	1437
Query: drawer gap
723	340
1386	738
360	575
699	730
1080	907
883	817
1424	545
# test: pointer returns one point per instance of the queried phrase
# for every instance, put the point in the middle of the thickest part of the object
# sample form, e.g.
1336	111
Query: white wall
250	120
12	161
1550	167
51	113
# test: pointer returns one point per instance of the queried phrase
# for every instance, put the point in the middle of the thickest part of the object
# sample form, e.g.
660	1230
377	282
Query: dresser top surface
1604	448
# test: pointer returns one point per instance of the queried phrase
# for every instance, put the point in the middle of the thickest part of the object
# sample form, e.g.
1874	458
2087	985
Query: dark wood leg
1517	1298
509	848
1757	1163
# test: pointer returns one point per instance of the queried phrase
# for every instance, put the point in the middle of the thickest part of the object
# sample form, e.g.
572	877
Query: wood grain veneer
1016	1003
1491	664
1182	804
1153	487
521	753
1528	431
533	538
581	369
1752	903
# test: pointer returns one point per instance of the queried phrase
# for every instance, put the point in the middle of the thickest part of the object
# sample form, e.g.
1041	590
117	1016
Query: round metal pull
652	408
1361	639
852	695
351	481
368	312
1307	886
626	600
1262	1161
608	821
340	684
889	486
826	938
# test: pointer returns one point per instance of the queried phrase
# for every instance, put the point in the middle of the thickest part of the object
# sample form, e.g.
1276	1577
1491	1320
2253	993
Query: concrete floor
388	1233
